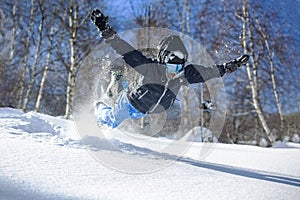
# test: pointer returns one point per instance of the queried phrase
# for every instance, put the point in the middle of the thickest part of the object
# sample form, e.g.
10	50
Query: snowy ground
42	157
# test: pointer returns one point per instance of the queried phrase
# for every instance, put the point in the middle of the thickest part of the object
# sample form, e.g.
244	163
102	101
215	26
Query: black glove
233	65
101	22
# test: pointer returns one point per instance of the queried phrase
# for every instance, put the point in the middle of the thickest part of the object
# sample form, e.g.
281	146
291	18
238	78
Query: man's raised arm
132	57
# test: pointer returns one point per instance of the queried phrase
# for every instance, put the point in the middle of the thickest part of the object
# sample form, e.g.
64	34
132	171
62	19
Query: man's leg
104	114
113	117
121	111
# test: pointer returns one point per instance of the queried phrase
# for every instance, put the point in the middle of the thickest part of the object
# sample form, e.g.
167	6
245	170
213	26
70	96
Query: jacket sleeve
199	73
132	57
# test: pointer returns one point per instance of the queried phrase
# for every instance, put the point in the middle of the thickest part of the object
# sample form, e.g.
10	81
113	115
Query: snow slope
42	157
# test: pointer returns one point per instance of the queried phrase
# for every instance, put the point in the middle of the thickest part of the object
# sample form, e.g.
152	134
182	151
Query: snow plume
41	128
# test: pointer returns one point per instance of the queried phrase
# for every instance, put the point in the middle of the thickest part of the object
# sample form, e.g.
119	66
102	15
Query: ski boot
103	113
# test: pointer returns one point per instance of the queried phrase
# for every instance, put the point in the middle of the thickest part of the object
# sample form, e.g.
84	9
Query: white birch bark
34	67
25	59
273	78
73	28
253	74
46	69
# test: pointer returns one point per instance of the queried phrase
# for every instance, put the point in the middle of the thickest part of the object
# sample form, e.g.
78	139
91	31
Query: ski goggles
174	68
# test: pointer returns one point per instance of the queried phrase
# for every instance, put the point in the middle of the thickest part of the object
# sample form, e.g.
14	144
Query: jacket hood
172	50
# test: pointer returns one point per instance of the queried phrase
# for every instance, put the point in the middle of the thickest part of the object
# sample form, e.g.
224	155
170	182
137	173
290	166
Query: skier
160	80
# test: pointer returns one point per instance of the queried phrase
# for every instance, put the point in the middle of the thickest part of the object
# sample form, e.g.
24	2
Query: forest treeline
43	44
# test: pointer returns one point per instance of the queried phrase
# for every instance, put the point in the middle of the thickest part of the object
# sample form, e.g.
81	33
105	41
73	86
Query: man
160	80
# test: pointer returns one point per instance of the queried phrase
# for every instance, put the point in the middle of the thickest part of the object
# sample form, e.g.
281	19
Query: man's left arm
200	73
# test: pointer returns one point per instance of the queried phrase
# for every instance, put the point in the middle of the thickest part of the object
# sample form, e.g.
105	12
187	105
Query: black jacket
156	93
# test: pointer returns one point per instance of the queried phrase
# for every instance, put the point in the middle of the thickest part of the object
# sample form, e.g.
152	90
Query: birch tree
77	41
273	78
186	27
26	56
73	30
80	45
47	65
253	73
13	37
9	69
36	56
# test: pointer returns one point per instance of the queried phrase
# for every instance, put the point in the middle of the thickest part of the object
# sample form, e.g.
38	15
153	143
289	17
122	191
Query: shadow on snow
98	144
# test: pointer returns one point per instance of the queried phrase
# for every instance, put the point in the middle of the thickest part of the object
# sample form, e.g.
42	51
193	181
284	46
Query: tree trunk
274	85
186	115
46	69
73	23
253	75
13	37
36	56
25	59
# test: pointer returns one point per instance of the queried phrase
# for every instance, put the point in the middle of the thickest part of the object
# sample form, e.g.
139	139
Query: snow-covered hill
42	157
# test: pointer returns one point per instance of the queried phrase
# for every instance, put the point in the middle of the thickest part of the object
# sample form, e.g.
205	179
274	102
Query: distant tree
13	37
265	37
41	6
247	35
50	37
77	36
10	53
30	25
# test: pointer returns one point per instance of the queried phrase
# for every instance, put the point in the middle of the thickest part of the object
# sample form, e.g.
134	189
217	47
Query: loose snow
44	157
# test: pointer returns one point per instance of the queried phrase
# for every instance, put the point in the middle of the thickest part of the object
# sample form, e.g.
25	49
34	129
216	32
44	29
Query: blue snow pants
114	116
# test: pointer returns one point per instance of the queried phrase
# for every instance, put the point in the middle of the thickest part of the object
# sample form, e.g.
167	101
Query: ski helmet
172	50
